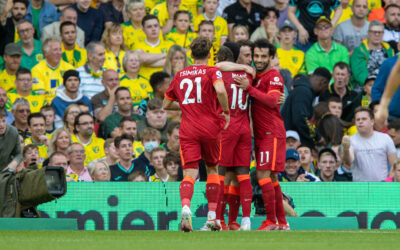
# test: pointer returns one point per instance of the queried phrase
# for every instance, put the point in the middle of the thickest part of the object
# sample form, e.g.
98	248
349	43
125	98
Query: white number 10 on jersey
189	89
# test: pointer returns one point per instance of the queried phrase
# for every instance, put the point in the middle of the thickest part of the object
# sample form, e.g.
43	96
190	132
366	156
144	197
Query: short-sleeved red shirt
193	88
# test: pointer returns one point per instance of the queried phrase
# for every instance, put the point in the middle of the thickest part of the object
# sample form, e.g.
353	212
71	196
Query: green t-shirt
29	62
1	63
35	20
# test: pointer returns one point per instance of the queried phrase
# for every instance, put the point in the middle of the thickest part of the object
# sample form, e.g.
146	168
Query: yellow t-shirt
292	60
35	100
162	47
138	148
183	40
140	88
16	36
111	61
220	26
7	81
351	131
192	5
43	150
133	35
161	11
47	80
76	57
149	4
94	149
346	14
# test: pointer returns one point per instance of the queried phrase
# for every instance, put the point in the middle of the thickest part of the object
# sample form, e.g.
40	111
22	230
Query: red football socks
280	211
234	203
186	190
268	194
246	194
212	191
220	198
224	202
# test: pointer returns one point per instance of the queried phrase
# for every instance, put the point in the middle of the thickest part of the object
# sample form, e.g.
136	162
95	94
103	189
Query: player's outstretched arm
230	66
392	85
223	100
170	104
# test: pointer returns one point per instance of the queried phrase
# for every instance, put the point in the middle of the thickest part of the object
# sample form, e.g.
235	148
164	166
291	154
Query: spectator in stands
53	30
113	41
172	164
153	50
269	26
306	159
138	176
156	117
139	86
37	127
76	157
391	33
8	31
159	82
99	171
181	34
59	159
127	125
123	101
83	133
331	129
379	13
90	20
157	156
165	12
103	103
367	88
91	73
335	106
396	172
3	103
10	145
150	139
112	12
293	170
304	16
41	13
112	156
31	48
68	95
368	57
325	52
176	60
243	12
172	144
240	32
48	74
69	118
340	88
132	29
23	84
289	56
380	84
394	132
207	30
327	162
60	141
220	24
368	152
351	32
71	52
292	139
31	157
48	112
298	108
21	111
12	59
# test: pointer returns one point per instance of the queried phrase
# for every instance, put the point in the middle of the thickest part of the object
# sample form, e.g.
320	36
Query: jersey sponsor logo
194	72
35	80
276	81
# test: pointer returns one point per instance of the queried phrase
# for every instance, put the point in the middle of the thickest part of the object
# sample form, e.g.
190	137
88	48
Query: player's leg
221	206
246	195
280	210
233	200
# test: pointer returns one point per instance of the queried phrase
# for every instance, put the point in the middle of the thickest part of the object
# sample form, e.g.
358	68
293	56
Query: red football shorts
194	149
236	147
271	154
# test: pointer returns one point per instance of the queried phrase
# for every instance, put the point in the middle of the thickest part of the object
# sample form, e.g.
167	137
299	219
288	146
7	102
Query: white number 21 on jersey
189	89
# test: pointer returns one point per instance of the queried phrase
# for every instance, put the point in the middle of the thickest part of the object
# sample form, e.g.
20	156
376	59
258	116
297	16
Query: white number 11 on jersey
264	158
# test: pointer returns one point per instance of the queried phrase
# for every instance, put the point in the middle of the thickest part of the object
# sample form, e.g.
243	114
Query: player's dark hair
119	89
35	115
76	122
126	119
327	151
225	54
265	12
22	71
342	65
119	139
395	124
364	109
171	126
200	48
157	78
25	2
149	17
244	43
265	44
67	23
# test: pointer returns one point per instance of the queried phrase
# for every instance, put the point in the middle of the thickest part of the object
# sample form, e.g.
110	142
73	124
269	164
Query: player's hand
303	36
249	70
44	140
381	117
242	82
111	92
227	119
281	99
346	142
302	178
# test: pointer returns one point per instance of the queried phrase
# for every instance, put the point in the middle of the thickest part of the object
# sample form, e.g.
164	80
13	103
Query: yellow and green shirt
292	60
76	57
47	80
112	62
43	150
183	40
35	100
94	149
161	11
140	88
192	6
133	35
7	81
220	26
138	148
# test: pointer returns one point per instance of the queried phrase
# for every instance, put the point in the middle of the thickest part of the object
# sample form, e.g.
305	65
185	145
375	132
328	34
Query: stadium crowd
82	83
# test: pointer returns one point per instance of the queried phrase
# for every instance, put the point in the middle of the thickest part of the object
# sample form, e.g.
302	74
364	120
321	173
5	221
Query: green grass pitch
117	240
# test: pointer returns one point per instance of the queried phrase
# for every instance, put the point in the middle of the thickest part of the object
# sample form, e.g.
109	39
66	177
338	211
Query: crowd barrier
156	206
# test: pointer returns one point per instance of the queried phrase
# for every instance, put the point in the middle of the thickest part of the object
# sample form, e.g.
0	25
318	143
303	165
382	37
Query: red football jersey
193	88
266	120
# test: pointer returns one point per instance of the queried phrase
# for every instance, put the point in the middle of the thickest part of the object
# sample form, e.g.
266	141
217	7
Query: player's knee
242	170
212	169
261	174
